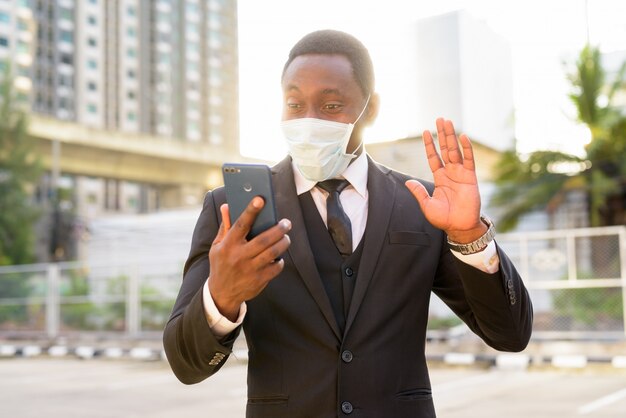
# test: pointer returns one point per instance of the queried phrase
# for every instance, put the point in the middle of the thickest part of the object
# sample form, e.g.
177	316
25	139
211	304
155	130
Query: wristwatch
479	244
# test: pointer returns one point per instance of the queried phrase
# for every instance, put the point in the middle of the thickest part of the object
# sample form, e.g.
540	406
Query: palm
455	203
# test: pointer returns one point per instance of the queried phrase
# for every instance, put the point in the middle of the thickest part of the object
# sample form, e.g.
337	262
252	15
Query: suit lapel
382	192
288	206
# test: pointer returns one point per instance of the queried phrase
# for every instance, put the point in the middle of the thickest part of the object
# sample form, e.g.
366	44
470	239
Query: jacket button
347	356
349	272
346	407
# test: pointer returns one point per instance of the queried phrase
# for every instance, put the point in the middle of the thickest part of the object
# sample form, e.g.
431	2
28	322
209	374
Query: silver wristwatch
479	244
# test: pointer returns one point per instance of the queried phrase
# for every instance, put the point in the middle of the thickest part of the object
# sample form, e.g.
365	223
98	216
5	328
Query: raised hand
455	204
240	269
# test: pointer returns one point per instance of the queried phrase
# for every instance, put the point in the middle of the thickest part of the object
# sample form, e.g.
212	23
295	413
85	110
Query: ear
372	109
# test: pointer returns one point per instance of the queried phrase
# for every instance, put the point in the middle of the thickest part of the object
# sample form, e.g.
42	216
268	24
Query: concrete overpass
177	167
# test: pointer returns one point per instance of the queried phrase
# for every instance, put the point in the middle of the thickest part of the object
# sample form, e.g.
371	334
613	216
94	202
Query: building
464	72
135	102
17	46
164	67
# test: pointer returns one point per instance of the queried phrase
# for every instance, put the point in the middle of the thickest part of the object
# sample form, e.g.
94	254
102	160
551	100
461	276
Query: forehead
320	71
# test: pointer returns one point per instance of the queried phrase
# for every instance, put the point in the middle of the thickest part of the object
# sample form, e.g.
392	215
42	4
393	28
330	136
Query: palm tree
540	182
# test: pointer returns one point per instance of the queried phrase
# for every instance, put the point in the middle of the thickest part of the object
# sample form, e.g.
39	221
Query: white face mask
318	146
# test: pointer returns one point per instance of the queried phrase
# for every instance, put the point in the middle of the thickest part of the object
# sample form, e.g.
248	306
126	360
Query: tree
20	169
544	178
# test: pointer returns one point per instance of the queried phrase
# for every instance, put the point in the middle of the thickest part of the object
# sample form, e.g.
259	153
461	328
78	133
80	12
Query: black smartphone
242	183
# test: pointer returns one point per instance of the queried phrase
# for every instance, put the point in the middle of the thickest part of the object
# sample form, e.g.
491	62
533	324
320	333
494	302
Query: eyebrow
328	91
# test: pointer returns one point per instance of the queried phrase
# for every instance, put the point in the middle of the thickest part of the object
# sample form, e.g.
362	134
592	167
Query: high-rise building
17	33
464	73
161	67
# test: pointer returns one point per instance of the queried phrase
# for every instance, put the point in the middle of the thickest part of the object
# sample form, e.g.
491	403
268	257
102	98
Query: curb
503	361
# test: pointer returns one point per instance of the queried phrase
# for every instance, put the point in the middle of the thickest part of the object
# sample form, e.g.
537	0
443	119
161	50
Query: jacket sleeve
497	307
192	350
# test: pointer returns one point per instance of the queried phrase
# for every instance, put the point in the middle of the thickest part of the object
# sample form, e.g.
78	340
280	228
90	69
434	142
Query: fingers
420	193
243	224
434	161
441	136
271	244
468	153
224	226
450	141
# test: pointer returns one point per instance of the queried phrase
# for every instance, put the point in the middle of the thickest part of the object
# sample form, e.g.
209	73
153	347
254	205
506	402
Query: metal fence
577	280
63	299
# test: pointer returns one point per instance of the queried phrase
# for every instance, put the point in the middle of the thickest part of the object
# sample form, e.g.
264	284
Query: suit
300	363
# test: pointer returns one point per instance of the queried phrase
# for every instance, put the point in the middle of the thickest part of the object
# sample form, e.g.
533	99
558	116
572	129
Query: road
49	387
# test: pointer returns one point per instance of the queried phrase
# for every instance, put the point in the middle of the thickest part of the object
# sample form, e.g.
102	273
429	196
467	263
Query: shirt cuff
486	260
219	324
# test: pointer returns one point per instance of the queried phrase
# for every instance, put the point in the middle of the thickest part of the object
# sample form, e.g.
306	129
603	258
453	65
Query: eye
333	107
293	106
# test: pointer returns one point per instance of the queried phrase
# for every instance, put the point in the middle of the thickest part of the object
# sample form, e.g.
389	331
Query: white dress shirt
354	200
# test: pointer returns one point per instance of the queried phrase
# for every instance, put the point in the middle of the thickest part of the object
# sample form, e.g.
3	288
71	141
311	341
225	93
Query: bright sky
543	34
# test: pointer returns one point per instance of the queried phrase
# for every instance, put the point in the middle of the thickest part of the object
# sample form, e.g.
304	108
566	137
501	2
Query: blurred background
116	116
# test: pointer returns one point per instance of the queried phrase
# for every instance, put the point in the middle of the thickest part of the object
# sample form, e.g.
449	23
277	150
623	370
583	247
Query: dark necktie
338	222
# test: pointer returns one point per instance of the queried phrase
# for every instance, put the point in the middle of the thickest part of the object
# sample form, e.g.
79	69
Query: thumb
418	191
225	225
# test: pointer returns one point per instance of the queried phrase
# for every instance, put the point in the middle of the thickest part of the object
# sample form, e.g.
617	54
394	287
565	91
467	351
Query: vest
338	275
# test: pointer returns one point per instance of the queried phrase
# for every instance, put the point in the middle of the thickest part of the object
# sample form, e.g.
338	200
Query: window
67	36
92	42
92	64
93	1
131	32
131	11
66	14
92	86
5	17
131	52
131	95
92	20
131	116
92	108
4	41
66	59
131	74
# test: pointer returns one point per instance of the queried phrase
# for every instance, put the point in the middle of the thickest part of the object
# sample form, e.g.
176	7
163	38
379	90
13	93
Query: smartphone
242	183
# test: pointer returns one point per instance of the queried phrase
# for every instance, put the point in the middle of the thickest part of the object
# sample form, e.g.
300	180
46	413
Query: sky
545	37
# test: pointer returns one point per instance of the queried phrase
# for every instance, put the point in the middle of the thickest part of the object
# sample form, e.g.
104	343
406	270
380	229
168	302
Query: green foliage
19	171
14	285
597	308
538	183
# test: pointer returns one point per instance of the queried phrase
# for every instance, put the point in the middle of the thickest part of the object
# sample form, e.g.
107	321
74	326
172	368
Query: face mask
318	146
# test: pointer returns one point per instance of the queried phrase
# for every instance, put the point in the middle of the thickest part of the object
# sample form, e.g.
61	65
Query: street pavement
69	387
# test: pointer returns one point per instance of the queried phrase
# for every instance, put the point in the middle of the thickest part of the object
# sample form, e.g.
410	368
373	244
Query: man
335	319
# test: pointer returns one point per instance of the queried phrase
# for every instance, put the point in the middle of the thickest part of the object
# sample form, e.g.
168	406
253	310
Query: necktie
338	222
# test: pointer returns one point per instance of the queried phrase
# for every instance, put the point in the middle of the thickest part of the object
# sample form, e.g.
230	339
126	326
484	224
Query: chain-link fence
68	298
577	281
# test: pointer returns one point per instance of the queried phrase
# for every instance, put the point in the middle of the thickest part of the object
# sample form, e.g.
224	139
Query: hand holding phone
242	183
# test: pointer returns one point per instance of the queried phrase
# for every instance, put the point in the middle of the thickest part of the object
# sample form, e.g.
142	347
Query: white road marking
602	402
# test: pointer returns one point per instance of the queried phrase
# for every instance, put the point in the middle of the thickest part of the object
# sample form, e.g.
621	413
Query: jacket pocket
268	400
409	238
414	394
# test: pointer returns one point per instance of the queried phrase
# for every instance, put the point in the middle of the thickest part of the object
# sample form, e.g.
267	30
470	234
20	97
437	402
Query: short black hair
329	42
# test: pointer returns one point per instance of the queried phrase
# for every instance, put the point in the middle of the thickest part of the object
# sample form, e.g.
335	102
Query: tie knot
333	185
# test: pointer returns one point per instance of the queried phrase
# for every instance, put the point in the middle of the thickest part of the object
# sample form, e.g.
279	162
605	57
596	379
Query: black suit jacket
300	365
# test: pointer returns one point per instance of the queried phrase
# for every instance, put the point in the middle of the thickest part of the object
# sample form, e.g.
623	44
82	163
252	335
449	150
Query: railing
576	278
68	298
577	281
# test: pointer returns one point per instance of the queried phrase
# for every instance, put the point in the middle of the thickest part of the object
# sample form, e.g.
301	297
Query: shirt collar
356	174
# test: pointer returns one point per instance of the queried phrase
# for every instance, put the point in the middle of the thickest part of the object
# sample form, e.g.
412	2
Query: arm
188	341
495	306
237	271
